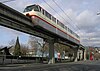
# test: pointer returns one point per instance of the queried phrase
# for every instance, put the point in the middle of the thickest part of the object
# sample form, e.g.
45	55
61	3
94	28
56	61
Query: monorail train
44	19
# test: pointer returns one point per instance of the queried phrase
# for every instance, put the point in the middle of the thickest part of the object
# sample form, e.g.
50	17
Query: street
71	66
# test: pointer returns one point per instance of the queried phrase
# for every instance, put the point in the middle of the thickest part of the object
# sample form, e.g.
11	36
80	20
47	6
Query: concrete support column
84	54
51	52
75	54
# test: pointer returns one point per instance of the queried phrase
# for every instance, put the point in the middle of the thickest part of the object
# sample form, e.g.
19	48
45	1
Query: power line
65	13
62	10
57	13
7	1
53	9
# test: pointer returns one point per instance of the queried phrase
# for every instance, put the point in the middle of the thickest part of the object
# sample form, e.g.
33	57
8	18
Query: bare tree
33	44
12	42
60	48
64	50
44	48
24	49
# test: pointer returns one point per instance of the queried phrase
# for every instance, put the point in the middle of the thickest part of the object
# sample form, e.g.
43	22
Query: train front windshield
30	8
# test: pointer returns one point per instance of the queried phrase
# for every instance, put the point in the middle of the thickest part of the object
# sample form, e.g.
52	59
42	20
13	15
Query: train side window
66	27
39	8
47	15
71	32
77	36
68	30
42	11
60	24
54	19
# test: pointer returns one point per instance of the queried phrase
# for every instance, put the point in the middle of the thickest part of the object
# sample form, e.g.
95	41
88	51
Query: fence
9	59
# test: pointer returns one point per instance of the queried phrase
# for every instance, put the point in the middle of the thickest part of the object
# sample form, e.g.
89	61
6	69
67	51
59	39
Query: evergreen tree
17	50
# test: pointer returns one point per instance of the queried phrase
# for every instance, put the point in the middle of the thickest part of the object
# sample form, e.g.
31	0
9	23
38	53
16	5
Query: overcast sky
83	14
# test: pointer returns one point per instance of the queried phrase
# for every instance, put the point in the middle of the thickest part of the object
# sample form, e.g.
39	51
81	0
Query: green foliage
17	50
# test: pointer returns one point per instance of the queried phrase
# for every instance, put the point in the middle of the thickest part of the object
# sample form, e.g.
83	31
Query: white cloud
88	22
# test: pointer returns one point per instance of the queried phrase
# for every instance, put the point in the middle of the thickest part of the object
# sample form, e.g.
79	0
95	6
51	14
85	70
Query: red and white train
45	20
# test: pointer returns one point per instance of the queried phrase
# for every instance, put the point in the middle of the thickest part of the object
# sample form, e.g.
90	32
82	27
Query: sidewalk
35	64
40	65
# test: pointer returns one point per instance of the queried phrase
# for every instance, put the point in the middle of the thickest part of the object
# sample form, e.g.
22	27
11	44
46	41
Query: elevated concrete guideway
13	19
